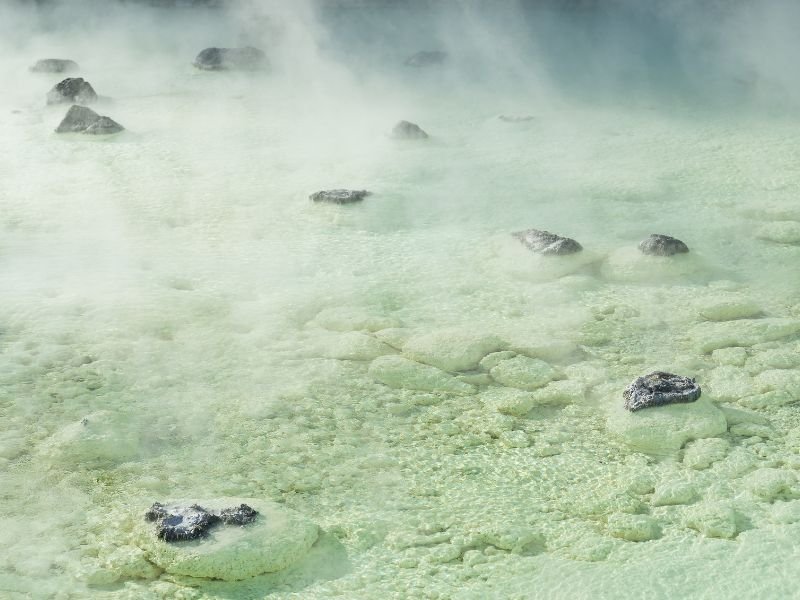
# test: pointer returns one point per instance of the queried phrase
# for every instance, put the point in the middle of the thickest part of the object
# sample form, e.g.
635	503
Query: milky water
179	321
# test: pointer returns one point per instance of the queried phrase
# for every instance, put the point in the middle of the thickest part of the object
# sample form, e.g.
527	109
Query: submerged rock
278	538
72	89
544	242
662	245
516	118
54	65
80	119
181	523
406	130
659	388
228	59
339	196
426	58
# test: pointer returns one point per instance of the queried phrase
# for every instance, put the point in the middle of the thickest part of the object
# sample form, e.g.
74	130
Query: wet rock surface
426	58
660	388
72	89
182	523
231	59
406	130
544	242
662	245
54	65
80	119
339	196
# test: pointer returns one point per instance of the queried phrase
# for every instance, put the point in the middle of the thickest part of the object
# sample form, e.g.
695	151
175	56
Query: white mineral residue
439	408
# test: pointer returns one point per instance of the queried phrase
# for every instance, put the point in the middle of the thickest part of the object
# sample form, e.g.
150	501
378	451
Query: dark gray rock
544	242
339	196
104	126
231	59
426	58
80	119
662	245
182	523
406	130
241	515
72	90
54	65
660	388
178	524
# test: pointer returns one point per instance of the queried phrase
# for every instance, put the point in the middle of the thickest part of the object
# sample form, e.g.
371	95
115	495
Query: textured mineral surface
662	245
544	242
339	196
659	388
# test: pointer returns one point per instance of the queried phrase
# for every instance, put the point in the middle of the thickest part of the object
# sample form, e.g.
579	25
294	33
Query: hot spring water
419	406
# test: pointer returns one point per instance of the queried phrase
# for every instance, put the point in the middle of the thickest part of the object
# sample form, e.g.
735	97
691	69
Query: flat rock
406	130
54	65
546	243
247	58
633	528
451	349
426	58
729	310
781	232
744	333
72	90
80	119
523	372
102	437
662	245
667	429
631	265
339	196
398	372
659	388
515	118
713	520
277	538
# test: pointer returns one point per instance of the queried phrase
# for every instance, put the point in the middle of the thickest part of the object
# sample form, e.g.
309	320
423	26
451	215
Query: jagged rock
80	119
662	245
227	59
72	89
339	196
544	242
241	515
659	388
54	65
426	58
408	131
180	523
104	126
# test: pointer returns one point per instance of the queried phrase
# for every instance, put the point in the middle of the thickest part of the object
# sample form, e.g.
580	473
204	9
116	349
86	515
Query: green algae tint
417	404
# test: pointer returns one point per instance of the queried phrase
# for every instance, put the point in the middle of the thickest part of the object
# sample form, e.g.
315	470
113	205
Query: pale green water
177	277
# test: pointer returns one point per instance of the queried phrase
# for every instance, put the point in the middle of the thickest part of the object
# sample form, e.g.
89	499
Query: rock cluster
72	89
662	245
80	119
408	131
544	242
230	59
54	65
659	388
339	196
426	58
182	523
